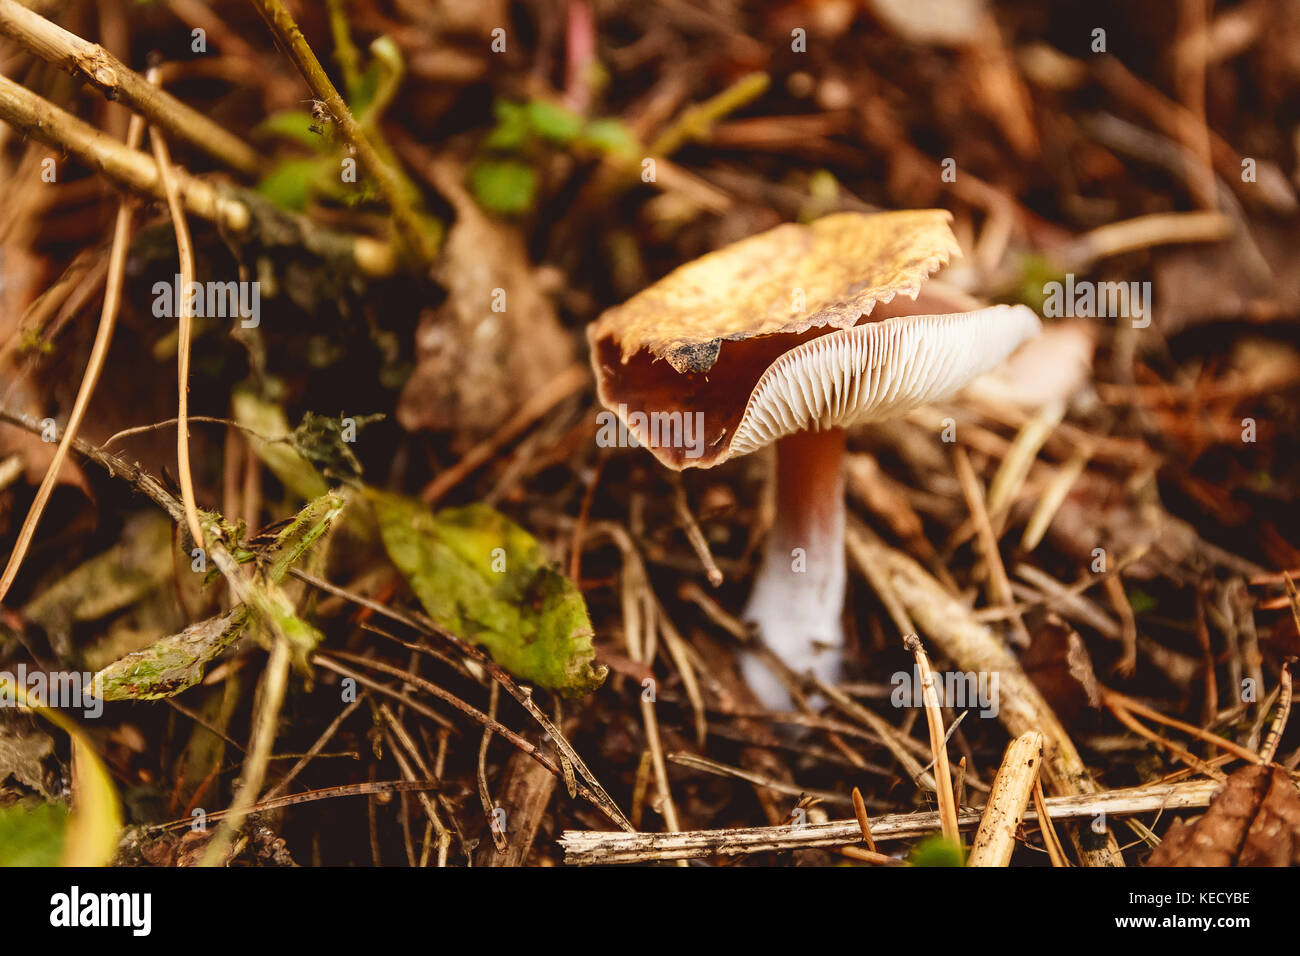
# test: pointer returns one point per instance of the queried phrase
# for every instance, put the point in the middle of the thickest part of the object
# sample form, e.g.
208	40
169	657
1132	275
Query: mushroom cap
730	365
785	280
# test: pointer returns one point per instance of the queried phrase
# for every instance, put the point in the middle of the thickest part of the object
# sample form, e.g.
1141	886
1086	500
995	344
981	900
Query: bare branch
92	64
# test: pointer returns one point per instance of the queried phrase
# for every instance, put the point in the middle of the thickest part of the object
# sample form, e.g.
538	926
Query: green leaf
937	850
485	579
511	131
294	125
32	835
609	136
268	420
290	183
504	186
553	121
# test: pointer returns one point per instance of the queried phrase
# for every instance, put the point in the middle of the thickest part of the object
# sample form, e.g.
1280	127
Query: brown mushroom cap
842	265
723	336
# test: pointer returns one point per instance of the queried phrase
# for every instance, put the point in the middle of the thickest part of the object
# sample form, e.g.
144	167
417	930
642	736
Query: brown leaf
476	366
1254	821
1059	666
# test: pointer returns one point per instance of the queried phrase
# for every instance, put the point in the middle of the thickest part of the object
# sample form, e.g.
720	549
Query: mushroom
788	338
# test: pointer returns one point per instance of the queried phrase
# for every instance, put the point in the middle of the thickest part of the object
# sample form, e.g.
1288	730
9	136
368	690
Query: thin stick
423	625
1182	753
696	762
890	736
399	734
867	856
938	741
484	794
586	847
94	65
58	128
694	535
598	798
1126	666
185	327
387	691
398	192
311	796
95	365
312	751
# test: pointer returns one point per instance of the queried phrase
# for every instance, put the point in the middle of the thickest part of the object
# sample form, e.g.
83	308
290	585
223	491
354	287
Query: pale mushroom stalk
798	594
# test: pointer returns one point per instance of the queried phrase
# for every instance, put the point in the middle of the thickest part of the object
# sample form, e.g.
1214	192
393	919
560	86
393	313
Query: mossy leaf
31	834
173	664
177	662
482	577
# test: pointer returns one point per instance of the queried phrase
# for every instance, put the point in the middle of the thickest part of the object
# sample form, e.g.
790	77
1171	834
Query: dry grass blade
185	328
938	741
999	585
270	697
1051	841
95	365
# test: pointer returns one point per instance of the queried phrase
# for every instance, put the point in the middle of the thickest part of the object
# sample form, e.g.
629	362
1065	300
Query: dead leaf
496	341
1254	821
23	751
1059	666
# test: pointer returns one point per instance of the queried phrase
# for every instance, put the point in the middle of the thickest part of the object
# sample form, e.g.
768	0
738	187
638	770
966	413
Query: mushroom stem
798	595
